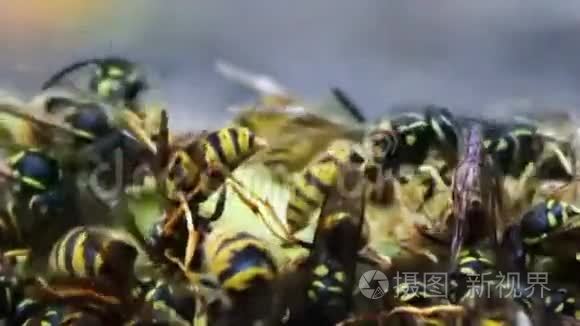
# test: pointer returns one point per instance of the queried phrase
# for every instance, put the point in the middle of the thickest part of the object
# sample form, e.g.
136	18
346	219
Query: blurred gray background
468	55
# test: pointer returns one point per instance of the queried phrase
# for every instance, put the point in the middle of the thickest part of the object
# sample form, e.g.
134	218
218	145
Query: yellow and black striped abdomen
229	147
308	192
474	262
311	186
91	252
239	261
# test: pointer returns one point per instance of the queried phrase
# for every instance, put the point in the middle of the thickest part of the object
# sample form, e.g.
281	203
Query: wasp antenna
348	104
162	142
54	79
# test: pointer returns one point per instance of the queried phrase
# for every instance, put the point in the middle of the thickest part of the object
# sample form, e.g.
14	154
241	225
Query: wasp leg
17	255
193	234
193	277
220	205
253	202
63	292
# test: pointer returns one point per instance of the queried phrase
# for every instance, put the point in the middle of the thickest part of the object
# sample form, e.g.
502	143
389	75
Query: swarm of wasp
421	191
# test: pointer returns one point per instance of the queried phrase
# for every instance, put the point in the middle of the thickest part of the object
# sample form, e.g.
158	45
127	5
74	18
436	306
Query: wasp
68	119
473	264
101	149
304	138
307	129
187	176
309	188
416	134
514	147
549	229
93	252
545	218
114	79
245	270
165	302
39	196
562	301
325	277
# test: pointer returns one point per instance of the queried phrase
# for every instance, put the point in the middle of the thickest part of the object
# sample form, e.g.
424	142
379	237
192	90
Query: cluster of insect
421	193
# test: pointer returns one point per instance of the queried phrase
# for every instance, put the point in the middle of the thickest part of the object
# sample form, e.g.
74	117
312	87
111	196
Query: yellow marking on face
438	131
160	305
410	140
312	295
115	71
502	145
521	132
32	183
467	260
552	221
534	240
467	271
106	87
407	296
340	276
321	270
334	289
416	124
318	284
14	159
